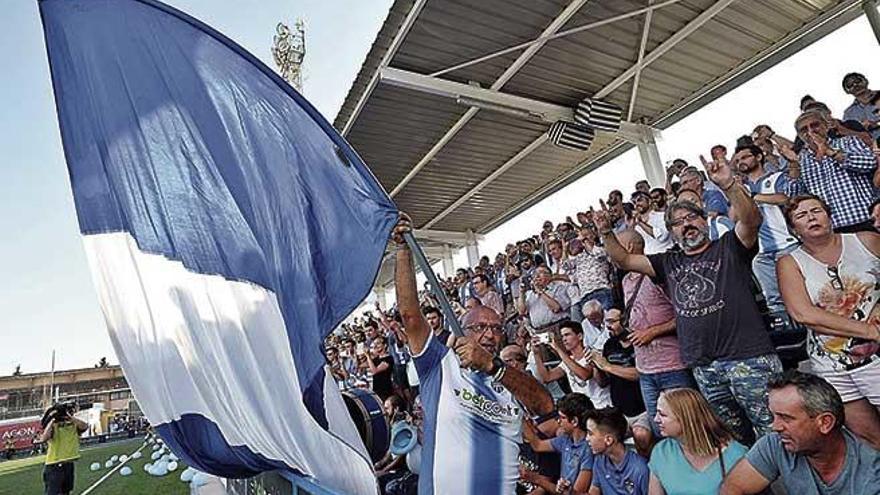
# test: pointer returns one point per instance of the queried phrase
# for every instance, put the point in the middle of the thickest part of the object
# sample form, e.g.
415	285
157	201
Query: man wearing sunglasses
473	401
720	330
864	107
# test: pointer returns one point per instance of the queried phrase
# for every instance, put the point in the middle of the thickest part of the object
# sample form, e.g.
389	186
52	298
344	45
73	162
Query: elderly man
837	170
472	400
809	449
595	333
714	201
546	303
720	329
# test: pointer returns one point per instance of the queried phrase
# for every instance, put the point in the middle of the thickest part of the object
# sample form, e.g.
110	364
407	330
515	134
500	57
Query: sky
47	300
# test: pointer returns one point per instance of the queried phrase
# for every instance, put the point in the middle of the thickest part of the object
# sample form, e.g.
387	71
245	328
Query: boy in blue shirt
577	459
616	469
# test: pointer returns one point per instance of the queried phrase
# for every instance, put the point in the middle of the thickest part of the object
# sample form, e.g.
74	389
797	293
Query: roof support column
448	265
870	8
473	251
654	171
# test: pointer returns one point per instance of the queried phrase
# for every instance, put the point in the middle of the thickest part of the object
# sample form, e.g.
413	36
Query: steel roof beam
560	34
523	59
664	47
386	59
829	20
485	182
492	99
635	89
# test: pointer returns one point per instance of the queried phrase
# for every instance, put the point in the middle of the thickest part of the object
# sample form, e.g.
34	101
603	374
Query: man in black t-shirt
616	368
720	330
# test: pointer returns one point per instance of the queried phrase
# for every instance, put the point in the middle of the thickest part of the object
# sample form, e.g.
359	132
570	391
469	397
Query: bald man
652	332
471	398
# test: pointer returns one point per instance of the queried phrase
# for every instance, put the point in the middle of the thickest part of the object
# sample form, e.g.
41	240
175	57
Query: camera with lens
60	412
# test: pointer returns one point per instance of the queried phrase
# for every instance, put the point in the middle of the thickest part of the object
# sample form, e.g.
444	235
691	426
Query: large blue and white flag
229	229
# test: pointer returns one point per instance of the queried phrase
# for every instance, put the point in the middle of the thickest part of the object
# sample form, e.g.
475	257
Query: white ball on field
187	475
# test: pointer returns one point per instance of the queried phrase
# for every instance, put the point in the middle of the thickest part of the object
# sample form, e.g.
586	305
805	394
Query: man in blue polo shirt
577	459
473	403
616	469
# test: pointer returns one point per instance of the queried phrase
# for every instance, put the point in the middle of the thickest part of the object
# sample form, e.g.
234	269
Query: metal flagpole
436	289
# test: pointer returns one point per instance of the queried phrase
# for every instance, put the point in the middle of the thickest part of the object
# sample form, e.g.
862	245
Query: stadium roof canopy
452	106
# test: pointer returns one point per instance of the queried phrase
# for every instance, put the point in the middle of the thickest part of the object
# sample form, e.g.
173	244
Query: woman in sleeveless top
831	284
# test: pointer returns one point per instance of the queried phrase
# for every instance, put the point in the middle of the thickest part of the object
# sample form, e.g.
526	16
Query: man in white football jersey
473	403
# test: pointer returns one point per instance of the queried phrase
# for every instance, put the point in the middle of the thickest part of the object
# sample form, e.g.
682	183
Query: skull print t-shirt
717	317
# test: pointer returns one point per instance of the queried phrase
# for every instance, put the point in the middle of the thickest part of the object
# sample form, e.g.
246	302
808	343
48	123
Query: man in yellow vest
62	435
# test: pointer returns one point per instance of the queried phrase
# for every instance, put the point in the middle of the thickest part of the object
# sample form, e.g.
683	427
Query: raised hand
602	218
404	225
470	353
819	143
719	171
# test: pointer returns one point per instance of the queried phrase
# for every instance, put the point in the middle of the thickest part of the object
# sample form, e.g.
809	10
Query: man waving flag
216	206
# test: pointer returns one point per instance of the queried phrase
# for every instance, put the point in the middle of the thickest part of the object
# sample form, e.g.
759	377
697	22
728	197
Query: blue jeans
654	383
764	267
737	392
602	295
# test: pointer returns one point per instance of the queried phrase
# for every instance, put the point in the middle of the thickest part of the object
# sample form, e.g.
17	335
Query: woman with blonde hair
698	450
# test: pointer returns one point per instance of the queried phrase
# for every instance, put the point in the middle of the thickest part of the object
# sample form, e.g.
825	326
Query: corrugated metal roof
394	127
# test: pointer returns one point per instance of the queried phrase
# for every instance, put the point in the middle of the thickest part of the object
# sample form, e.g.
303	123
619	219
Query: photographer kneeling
61	430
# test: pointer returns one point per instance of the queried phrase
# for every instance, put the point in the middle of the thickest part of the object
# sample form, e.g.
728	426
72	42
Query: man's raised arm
414	323
620	256
749	218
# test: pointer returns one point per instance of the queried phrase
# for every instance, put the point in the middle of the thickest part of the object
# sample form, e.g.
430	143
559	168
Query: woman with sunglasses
831	284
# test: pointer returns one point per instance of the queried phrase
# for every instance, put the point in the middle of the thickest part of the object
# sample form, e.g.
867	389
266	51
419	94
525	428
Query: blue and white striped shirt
773	234
846	186
473	428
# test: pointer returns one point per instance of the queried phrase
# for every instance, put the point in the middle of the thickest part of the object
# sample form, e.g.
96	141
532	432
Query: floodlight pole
436	288
870	9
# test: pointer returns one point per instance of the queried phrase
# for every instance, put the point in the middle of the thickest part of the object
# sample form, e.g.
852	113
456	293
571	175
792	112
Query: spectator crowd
652	343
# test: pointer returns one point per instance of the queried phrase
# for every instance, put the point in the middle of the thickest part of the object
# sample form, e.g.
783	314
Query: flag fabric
599	115
571	136
228	228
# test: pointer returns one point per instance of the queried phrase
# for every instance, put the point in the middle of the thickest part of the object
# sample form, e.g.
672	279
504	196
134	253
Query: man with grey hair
809	449
838	170
713	199
722	335
546	303
593	323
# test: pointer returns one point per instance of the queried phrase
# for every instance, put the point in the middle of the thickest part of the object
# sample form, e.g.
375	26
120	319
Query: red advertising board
22	431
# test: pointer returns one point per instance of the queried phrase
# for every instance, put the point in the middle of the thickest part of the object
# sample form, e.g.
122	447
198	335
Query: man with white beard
720	330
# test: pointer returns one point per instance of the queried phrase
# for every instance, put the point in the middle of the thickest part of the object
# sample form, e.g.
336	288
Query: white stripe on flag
216	345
